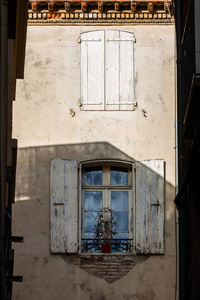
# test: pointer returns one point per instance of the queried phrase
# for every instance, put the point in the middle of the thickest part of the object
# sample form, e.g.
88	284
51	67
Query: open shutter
119	66
64	212
92	70
149	206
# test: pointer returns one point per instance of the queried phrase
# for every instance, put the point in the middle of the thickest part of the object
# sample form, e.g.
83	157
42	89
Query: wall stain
45	261
147	295
161	99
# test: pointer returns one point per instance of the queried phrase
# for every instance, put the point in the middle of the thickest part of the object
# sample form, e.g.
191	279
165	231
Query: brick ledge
68	11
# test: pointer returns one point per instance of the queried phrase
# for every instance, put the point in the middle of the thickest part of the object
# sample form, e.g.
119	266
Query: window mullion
106	175
106	202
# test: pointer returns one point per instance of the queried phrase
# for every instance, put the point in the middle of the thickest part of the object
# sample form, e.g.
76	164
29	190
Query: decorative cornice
98	11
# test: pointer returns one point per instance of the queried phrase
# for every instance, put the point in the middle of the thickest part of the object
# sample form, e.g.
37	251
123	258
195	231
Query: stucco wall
45	129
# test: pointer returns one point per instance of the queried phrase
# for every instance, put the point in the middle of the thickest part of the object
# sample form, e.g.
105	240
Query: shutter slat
63	185
149	178
126	70
112	69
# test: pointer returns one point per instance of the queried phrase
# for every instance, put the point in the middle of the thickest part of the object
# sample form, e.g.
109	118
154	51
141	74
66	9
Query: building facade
98	111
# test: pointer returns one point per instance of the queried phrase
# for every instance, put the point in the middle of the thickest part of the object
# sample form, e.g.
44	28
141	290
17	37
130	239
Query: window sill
112	254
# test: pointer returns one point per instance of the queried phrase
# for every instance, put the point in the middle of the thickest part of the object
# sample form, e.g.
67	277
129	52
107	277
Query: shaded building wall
13	24
187	34
45	98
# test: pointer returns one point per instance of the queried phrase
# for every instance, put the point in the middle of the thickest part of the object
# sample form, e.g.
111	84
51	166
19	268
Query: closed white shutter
112	65
149	206
126	71
92	70
119	70
64	212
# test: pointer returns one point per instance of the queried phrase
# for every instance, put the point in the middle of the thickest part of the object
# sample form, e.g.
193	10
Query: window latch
155	204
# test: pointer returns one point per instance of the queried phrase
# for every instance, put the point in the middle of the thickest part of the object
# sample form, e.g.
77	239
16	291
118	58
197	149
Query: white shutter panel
92	70
126	71
119	65
64	212
149	205
112	69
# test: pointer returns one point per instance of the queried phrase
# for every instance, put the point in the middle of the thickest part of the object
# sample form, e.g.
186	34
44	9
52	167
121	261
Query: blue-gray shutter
149	206
64	206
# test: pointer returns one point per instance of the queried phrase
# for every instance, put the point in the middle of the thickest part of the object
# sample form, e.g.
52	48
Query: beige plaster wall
45	129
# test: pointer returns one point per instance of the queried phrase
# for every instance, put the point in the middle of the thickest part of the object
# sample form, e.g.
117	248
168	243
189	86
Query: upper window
107	70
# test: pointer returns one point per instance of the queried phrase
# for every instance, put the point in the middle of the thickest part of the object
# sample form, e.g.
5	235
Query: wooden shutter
92	70
119	66
149	206
64	203
112	67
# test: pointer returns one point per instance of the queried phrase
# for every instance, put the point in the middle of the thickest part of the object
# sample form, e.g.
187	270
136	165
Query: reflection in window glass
121	219
93	176
90	221
89	235
119	200
93	201
121	235
119	176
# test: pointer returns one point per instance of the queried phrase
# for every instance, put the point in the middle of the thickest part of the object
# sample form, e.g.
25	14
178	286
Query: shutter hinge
16	239
135	103
79	103
16	278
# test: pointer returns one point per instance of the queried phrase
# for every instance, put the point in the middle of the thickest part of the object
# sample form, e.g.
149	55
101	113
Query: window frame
106	189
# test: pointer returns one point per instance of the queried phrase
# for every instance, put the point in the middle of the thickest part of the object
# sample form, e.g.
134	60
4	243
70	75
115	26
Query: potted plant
104	229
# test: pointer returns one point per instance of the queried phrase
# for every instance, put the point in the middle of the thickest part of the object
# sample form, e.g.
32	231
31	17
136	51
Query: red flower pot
105	248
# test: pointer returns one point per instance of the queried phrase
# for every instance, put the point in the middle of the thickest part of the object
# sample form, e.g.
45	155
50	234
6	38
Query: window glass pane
89	235
90	221
119	176
119	200
120	243
121	235
121	219
93	201
93	176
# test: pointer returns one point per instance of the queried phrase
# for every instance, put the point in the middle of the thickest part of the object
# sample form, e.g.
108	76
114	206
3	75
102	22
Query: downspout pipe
182	205
1	202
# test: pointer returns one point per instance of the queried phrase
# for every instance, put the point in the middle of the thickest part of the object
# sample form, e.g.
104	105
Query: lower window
107	209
